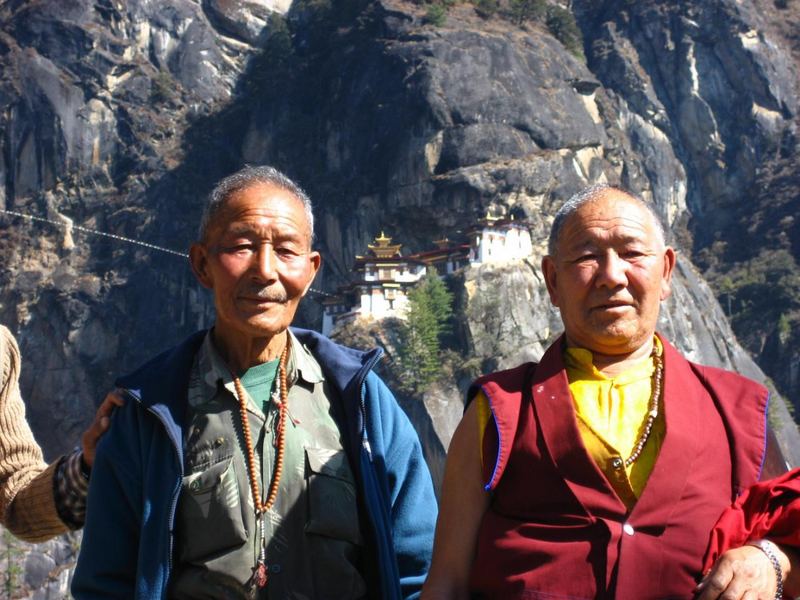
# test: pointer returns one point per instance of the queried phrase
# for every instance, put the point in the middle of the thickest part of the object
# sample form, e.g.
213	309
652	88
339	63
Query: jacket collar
214	371
164	379
344	368
162	383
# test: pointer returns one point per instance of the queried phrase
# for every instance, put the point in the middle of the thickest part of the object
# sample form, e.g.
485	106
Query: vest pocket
209	513
332	510
332	527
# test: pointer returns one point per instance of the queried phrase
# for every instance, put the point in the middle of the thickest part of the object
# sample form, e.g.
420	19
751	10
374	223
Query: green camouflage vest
312	530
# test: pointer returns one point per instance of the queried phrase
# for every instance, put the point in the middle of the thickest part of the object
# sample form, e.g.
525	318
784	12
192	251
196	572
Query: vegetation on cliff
752	265
420	335
559	21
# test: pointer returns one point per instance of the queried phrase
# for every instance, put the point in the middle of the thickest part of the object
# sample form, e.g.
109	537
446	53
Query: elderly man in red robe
600	471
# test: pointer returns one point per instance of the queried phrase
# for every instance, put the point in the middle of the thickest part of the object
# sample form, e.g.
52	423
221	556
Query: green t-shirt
258	381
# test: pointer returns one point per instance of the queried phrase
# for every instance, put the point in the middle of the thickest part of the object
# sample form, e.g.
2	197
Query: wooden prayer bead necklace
280	442
652	412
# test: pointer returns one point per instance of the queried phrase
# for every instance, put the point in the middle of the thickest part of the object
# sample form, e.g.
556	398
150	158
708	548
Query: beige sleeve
27	503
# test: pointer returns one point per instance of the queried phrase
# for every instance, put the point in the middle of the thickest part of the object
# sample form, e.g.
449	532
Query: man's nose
612	271
265	262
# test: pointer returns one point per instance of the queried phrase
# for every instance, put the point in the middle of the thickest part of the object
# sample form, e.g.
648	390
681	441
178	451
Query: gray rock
508	314
244	21
480	143
707	76
38	568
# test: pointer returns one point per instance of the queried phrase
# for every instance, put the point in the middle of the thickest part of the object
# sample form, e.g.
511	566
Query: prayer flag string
69	225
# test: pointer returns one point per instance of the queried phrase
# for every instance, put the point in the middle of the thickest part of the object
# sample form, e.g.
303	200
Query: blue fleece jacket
136	478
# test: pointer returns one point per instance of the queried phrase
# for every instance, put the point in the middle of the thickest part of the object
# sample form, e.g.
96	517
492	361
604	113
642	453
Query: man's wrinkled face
257	260
609	275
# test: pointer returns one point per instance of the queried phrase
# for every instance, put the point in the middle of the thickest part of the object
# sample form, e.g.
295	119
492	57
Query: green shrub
162	87
561	23
13	556
486	8
527	10
436	15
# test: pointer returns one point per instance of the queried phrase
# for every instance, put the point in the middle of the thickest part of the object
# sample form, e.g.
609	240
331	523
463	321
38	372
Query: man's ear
670	258
315	261
550	276
198	260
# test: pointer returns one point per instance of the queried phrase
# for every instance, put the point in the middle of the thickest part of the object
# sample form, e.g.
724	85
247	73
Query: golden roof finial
489	217
382	247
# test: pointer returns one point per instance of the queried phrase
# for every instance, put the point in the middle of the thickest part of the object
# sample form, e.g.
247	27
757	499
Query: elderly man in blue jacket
255	460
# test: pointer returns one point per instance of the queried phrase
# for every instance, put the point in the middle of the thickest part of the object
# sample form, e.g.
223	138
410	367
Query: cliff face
96	98
464	118
707	77
120	118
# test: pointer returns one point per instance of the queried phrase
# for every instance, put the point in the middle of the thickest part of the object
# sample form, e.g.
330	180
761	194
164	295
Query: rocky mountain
118	117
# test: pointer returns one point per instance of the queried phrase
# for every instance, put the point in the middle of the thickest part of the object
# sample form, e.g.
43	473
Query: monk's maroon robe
556	528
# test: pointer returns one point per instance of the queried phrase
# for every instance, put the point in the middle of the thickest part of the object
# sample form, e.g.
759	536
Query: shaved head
591	194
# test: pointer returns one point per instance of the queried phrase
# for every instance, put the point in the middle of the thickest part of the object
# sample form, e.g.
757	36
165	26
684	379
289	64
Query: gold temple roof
382	247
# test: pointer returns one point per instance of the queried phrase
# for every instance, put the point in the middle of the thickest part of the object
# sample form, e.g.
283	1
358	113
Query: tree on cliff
527	10
430	306
562	25
559	21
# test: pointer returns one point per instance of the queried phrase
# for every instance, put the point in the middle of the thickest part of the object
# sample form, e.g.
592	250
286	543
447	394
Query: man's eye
239	249
286	252
583	258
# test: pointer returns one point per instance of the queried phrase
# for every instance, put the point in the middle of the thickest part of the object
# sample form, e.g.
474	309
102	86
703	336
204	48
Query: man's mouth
257	300
612	305
264	297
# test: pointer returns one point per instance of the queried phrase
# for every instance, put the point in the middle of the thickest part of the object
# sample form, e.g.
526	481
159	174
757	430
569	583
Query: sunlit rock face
707	76
96	99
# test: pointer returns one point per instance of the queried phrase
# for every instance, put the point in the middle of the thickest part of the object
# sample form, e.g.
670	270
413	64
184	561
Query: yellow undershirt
611	413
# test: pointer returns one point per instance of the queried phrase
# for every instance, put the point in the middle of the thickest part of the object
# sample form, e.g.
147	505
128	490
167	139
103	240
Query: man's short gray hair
595	192
250	176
